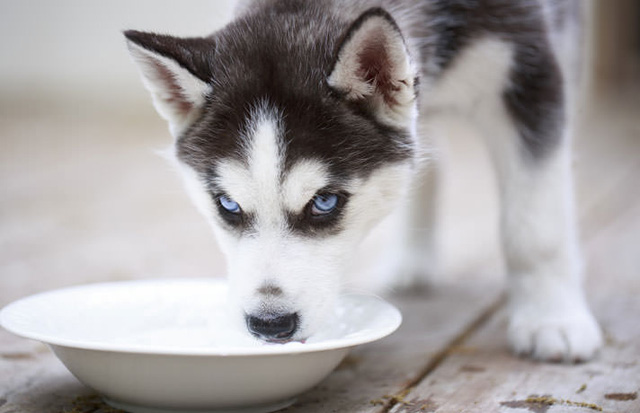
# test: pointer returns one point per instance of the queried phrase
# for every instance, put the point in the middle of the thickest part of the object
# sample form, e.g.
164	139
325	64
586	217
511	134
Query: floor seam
438	358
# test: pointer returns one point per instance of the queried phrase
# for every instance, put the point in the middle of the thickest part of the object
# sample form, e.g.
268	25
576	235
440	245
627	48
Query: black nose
273	327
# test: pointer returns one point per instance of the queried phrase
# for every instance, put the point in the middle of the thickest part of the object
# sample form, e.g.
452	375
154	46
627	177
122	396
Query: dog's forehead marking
255	182
265	166
265	153
261	185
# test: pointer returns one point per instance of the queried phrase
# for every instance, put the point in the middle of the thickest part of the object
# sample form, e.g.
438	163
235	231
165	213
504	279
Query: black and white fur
295	99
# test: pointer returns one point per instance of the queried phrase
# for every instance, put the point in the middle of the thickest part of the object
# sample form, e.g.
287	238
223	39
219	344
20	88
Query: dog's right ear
177	73
373	66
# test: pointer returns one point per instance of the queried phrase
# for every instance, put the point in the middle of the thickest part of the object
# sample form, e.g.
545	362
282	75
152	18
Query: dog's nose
273	327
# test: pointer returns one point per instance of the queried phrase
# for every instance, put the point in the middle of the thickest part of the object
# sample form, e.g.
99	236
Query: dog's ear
373	66
176	71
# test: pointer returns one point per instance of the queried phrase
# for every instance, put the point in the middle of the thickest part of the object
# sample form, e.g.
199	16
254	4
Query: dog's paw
569	338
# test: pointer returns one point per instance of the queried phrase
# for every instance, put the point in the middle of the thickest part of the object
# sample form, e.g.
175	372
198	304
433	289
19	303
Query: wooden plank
86	199
606	160
32	380
431	323
487	378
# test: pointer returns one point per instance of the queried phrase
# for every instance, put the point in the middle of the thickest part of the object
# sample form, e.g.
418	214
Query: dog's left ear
373	66
176	71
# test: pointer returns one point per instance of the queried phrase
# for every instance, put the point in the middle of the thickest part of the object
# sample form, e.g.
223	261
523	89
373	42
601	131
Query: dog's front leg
548	315
410	256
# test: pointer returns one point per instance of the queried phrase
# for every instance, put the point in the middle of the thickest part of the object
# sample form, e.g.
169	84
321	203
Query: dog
296	132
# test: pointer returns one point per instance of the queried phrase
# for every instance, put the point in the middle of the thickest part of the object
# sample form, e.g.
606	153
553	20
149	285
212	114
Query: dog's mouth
285	341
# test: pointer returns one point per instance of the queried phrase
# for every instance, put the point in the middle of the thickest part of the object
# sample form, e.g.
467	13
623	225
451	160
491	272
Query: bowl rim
10	311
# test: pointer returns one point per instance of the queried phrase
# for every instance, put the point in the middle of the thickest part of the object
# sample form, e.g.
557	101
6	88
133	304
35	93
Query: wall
70	48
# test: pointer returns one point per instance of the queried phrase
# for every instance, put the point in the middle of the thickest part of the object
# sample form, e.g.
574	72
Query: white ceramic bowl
163	345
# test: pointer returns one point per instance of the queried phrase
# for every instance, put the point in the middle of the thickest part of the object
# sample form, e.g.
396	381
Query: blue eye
324	204
229	204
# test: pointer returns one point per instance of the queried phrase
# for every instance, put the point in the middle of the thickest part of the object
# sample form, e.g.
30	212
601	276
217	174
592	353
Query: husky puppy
295	130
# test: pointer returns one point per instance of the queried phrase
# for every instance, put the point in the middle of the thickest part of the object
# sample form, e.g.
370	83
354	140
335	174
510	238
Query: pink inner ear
174	93
375	67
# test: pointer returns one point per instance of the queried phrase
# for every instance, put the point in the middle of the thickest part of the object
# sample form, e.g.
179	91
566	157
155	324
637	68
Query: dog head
294	138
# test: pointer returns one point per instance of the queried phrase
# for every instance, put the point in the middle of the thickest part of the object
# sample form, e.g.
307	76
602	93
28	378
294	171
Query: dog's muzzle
273	327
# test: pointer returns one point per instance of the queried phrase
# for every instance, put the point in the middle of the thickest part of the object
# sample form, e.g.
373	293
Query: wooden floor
84	199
